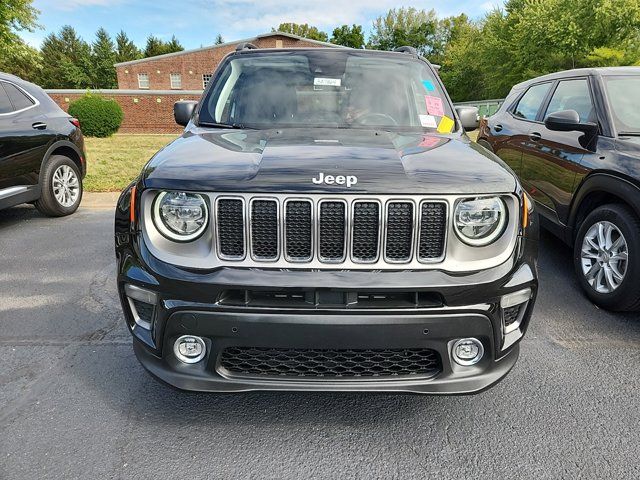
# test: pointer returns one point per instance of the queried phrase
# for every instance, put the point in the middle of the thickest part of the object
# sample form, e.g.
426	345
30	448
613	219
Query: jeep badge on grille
337	180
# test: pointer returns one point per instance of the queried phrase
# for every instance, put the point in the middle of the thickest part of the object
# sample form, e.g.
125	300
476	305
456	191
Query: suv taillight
75	122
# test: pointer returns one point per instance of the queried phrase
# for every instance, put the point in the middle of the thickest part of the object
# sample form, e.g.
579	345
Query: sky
196	23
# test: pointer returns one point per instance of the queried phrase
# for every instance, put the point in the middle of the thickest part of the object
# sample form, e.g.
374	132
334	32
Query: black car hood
285	161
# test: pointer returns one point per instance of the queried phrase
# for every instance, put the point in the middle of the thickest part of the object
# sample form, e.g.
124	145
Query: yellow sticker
446	125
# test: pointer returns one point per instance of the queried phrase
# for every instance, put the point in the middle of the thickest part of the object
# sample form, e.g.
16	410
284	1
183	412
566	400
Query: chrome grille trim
245	228
345	243
398	261
352	227
284	235
249	228
203	253
419	232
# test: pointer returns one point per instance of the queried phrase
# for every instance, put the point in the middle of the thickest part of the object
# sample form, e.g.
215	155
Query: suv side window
5	104
18	98
530	102
573	95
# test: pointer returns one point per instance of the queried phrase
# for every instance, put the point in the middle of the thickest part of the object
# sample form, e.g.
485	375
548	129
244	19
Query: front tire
61	187
606	257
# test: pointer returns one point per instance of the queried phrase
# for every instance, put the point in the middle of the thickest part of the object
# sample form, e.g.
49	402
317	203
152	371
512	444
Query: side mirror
183	111
569	121
468	118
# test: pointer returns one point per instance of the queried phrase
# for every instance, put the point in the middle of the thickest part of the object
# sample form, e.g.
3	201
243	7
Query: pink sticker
428	142
434	105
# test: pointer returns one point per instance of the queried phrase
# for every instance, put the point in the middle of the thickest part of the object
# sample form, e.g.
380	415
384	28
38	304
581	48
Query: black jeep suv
42	157
573	138
324	223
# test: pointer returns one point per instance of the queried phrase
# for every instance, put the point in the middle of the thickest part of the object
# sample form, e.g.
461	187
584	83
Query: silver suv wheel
66	187
604	257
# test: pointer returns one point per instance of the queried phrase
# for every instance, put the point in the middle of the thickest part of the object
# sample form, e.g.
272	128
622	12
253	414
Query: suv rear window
530	102
17	97
336	89
5	104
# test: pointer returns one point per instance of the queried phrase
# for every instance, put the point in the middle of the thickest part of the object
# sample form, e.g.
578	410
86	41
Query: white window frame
175	85
205	82
140	86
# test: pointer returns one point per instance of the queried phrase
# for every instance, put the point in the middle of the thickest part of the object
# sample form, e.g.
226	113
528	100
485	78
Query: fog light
467	351
189	349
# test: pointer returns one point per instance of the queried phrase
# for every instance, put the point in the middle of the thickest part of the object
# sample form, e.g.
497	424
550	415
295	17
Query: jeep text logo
337	180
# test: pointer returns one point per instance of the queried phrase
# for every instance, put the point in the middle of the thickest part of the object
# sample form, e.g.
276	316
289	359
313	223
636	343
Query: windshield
339	89
624	97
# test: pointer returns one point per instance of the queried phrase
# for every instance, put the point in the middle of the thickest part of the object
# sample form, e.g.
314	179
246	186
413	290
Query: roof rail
245	46
406	49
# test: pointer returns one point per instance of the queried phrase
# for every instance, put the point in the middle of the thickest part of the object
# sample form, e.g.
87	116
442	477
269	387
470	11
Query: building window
206	77
143	80
176	81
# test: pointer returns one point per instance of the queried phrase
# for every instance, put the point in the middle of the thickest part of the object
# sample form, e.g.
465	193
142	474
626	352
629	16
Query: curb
99	200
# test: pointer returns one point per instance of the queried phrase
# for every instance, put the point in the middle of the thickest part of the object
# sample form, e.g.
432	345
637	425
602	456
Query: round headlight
479	221
180	216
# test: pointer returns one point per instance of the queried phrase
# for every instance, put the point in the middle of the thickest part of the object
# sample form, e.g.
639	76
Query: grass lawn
113	162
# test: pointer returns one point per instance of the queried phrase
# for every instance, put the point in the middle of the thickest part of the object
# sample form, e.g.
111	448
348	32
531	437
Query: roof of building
226	44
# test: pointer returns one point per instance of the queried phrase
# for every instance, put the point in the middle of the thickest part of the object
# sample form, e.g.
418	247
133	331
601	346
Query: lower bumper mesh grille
330	363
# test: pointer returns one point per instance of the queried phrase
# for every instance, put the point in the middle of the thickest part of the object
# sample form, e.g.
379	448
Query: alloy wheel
604	257
66	186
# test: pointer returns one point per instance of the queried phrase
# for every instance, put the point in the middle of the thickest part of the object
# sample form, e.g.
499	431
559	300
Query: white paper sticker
428	121
327	82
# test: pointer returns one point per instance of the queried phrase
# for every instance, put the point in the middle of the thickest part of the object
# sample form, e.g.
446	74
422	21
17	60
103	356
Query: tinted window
530	102
5	104
17	97
624	97
572	95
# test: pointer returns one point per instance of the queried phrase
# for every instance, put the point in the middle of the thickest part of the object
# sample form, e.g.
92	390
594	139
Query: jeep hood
285	161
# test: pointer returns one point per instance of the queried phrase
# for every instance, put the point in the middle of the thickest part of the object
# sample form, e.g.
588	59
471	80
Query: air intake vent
332	230
230	231
264	229
299	231
366	232
399	232
433	227
320	364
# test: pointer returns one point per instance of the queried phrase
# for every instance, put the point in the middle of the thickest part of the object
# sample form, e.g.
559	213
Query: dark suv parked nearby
573	138
42	156
324	223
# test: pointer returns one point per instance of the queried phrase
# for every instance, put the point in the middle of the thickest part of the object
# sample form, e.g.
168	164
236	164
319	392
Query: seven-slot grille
331	231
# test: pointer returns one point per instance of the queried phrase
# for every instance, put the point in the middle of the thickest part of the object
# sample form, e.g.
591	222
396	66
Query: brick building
192	69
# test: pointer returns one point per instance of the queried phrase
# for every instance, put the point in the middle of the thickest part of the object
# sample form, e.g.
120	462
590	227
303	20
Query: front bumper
187	303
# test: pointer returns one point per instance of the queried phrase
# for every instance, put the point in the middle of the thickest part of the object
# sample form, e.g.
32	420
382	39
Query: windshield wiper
238	126
629	134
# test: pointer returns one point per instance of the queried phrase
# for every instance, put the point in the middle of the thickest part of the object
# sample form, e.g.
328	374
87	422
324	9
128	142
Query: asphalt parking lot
74	402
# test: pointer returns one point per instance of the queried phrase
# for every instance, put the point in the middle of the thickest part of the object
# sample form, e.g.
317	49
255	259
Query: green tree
405	26
219	39
103	57
302	30
66	60
155	46
348	36
15	56
125	48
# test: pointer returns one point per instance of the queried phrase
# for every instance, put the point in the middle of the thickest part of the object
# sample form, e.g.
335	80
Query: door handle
498	128
39	126
535	136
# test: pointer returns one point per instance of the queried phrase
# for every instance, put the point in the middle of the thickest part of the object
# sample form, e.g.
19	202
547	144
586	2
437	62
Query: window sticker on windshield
428	85
429	142
446	125
434	105
428	121
327	82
